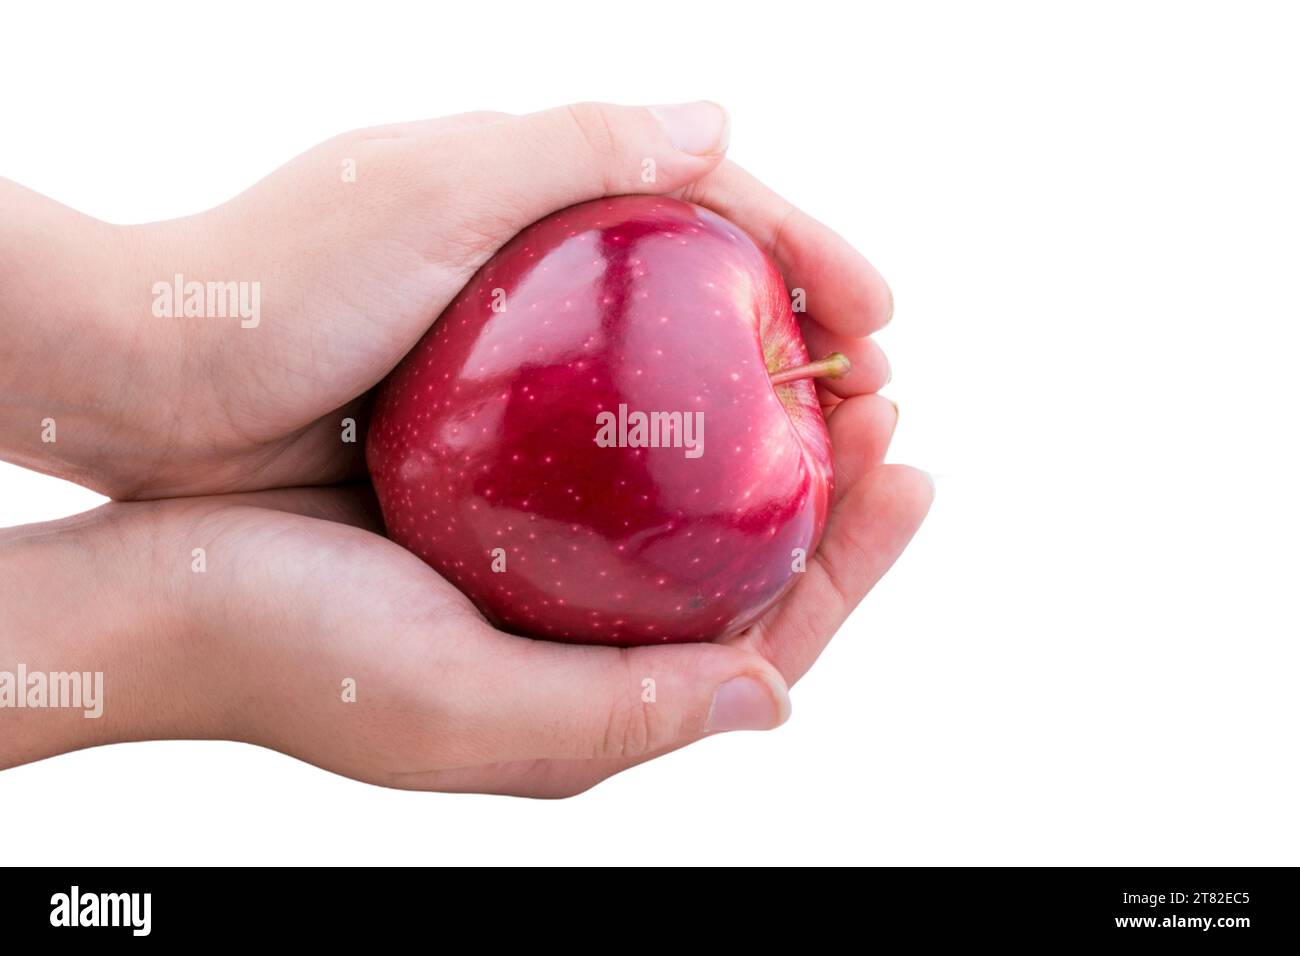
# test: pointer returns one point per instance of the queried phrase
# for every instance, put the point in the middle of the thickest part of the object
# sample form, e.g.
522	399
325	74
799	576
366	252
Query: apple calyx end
835	365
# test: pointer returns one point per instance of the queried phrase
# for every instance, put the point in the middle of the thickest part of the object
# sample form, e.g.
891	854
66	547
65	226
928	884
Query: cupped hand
310	633
359	244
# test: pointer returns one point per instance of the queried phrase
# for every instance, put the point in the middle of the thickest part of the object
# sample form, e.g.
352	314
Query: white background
1089	217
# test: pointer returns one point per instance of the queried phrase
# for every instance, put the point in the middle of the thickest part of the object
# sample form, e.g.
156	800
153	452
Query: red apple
514	448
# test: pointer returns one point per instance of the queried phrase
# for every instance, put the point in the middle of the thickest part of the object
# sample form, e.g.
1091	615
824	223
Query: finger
528	700
868	368
426	127
867	531
844	291
536	164
454	122
860	431
828	400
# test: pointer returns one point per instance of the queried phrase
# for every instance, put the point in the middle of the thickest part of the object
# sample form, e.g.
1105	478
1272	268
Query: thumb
538	700
545	161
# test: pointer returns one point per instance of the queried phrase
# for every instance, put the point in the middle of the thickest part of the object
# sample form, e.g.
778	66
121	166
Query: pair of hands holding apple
227	439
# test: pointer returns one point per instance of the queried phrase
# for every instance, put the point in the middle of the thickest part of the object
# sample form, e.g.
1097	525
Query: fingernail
747	703
895	404
696	128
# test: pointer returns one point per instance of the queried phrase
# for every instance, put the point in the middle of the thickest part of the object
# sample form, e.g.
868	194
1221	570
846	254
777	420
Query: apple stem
835	365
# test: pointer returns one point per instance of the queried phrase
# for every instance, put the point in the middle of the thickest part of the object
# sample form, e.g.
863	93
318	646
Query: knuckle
629	730
593	124
632	727
598	134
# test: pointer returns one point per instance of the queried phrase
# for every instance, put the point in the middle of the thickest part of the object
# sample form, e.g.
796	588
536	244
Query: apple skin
484	437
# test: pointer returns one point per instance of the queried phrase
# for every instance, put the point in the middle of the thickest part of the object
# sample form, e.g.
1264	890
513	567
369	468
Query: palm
381	622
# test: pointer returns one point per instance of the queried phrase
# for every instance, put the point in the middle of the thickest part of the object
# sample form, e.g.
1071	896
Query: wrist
86	642
81	370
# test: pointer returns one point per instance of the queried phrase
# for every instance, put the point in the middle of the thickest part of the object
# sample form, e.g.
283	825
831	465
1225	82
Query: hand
297	597
356	247
296	602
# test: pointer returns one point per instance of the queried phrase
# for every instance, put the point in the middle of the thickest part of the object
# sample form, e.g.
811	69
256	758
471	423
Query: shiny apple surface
491	455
